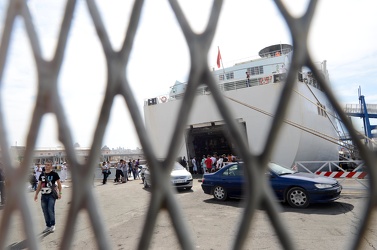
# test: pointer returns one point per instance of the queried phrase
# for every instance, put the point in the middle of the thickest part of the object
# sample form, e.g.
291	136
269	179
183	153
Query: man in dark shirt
47	185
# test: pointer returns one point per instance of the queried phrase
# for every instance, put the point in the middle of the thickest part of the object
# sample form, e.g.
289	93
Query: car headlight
322	186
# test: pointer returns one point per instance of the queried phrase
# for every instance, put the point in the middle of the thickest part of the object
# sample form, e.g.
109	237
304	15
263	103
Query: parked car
296	188
180	177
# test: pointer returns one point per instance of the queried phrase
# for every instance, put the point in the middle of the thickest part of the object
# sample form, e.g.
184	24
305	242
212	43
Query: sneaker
52	229
47	229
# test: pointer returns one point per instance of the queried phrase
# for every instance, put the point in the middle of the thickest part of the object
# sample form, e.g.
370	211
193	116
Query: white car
180	177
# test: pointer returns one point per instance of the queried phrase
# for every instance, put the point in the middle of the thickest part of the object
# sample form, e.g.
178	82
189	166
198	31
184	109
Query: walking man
47	184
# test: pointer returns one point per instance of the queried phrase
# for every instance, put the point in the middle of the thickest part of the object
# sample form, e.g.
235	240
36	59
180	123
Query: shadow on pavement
330	208
24	244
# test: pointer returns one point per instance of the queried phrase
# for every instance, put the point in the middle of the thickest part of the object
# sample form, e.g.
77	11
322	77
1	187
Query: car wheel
219	193
297	197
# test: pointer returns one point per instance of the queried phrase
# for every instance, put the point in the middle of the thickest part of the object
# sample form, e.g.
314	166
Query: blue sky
343	32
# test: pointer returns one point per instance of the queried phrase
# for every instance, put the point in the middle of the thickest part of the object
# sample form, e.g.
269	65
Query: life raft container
163	99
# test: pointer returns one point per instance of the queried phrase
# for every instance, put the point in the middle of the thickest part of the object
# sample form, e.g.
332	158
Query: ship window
230	75
255	70
321	109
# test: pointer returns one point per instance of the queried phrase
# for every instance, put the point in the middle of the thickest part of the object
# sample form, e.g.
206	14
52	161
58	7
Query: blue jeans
48	208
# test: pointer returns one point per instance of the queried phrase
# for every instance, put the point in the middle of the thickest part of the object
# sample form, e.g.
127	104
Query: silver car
180	177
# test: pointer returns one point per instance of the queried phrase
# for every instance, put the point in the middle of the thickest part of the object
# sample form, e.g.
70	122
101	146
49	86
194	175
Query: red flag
218	58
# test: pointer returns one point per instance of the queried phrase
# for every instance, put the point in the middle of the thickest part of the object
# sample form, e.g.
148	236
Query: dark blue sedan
298	189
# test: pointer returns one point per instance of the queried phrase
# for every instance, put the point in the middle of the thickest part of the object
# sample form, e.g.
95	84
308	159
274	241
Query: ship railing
278	52
232	84
225	86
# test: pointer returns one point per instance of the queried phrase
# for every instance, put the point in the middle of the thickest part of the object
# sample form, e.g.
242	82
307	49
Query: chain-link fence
48	101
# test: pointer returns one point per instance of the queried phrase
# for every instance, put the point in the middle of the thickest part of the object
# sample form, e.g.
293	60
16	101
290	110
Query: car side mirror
270	176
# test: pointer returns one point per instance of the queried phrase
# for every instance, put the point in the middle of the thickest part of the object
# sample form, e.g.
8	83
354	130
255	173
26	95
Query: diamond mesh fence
117	84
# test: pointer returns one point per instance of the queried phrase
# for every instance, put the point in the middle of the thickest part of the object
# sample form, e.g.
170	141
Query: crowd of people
123	170
207	163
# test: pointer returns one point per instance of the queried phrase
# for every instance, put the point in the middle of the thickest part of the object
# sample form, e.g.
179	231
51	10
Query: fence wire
117	84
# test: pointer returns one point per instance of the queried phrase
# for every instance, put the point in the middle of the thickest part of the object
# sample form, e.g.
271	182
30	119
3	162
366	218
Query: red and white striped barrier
356	175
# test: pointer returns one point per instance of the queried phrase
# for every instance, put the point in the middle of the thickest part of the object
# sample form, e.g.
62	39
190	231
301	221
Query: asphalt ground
212	224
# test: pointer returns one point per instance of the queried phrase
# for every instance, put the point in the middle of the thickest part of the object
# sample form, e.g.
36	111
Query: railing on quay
317	166
353	170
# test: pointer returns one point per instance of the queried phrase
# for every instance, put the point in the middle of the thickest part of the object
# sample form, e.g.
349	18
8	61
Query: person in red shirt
208	163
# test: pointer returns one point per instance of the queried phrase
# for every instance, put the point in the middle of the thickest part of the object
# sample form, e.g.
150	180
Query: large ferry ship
308	133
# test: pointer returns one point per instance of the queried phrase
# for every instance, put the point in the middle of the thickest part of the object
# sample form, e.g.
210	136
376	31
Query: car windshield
279	170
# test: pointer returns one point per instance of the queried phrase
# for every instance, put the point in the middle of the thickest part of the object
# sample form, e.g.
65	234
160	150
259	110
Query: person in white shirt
194	166
213	158
219	163
283	69
63	172
38	170
203	164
